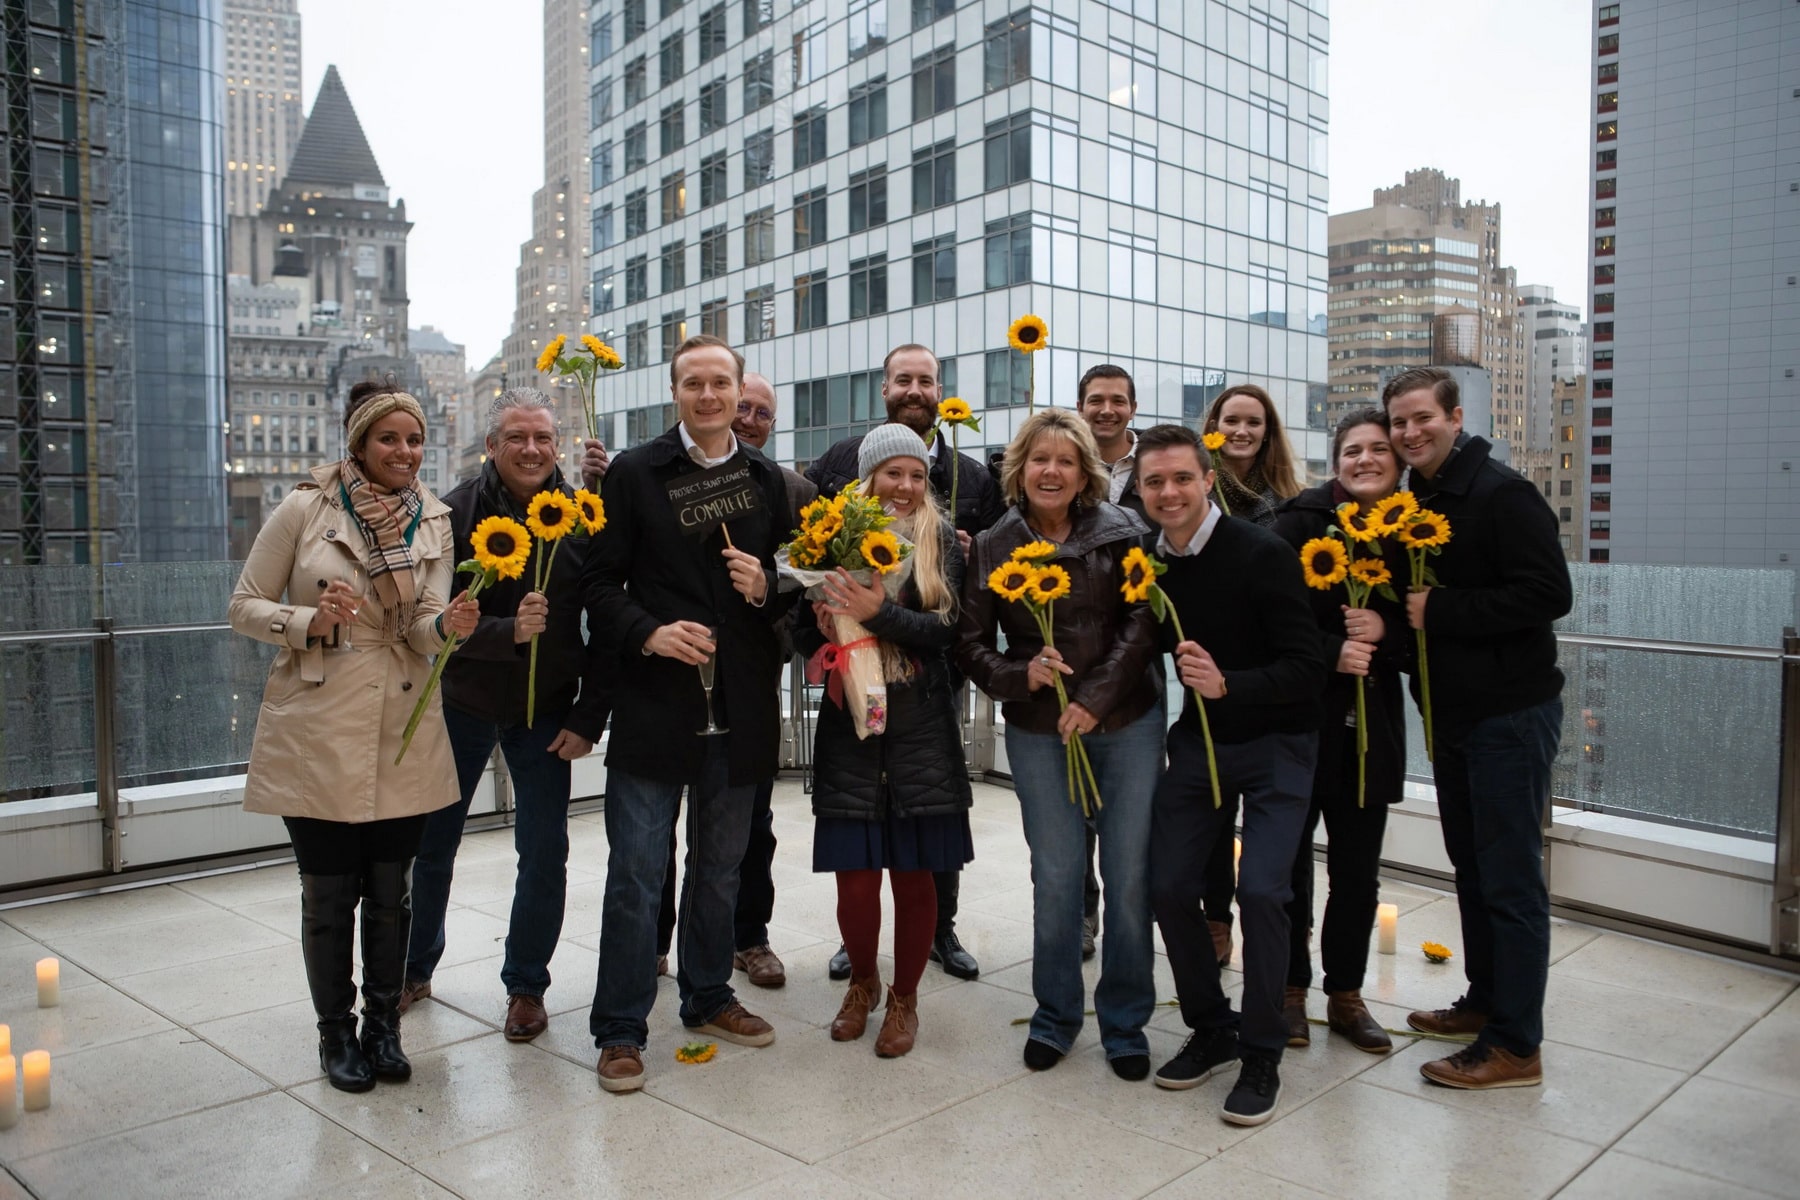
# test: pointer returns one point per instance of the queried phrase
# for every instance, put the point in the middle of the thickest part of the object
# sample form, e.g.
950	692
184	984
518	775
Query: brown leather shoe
900	1027
761	965
1483	1066
413	990
621	1068
853	1014
738	1024
1293	1012
525	1017
1221	936
1346	1013
1459	1018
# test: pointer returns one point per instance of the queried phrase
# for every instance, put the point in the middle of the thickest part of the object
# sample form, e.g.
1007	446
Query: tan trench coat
332	718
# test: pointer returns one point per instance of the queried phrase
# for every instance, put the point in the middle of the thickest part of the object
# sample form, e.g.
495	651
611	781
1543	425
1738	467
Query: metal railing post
1784	925
106	756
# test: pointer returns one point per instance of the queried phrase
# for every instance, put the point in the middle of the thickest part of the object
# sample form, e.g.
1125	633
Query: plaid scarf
388	519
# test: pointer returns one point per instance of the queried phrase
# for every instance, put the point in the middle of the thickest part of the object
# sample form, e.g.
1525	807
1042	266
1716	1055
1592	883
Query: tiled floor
184	1066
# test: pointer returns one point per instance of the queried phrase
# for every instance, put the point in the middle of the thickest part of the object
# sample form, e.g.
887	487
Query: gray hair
519	397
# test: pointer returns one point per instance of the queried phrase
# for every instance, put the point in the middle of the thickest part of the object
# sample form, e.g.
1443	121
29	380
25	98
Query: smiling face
1174	488
1107	407
755	419
523	449
911	389
706	390
392	450
1423	433
1053	478
1365	463
899	483
1245	425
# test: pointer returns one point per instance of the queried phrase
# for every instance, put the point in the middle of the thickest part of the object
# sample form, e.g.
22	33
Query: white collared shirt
690	445
1120	470
1196	543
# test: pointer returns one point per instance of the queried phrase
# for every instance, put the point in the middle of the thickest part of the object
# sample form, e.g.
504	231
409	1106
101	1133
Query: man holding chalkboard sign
684	573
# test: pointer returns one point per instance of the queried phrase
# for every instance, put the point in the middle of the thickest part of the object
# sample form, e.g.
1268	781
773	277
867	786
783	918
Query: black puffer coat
916	768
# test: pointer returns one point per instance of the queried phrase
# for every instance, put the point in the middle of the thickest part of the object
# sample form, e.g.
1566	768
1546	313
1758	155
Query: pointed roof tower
333	153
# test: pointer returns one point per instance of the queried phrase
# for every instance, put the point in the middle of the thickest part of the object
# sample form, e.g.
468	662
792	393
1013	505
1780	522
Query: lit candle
9	1091
49	977
1237	854
37	1080
1388	916
5	1039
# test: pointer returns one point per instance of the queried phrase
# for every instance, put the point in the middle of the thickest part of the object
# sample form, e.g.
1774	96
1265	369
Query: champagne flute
707	669
357	580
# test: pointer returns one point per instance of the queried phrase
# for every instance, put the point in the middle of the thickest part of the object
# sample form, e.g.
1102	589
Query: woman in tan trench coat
351	577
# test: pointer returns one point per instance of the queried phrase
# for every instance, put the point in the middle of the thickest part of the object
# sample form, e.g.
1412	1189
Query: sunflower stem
1362	745
1212	759
953	466
437	671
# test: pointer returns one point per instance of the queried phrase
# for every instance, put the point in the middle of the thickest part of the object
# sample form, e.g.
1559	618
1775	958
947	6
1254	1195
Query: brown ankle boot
853	1015
900	1026
1293	1012
1345	1013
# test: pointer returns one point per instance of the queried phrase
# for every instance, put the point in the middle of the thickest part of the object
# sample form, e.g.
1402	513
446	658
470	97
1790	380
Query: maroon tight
915	920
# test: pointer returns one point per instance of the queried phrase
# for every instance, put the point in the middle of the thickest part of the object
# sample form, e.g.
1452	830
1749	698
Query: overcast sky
1494	92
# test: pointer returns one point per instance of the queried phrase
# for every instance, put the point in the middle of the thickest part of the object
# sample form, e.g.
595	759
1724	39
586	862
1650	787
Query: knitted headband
377	407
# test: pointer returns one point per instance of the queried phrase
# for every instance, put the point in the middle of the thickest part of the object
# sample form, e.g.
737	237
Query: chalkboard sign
707	500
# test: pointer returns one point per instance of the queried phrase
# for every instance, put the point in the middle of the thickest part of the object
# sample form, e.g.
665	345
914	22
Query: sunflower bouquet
551	516
1031	579
585	367
501	548
1141	570
848	531
1028	335
1423	534
953	414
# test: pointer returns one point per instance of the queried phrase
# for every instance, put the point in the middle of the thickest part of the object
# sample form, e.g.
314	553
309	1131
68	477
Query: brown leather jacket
1110	644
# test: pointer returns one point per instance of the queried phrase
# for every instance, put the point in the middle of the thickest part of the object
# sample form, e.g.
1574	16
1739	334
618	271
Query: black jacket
1109	643
487	675
1298	521
1502	581
916	768
644	573
978	503
1241	598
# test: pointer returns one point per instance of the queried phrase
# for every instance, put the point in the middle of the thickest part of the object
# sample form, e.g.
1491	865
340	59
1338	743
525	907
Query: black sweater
1241	598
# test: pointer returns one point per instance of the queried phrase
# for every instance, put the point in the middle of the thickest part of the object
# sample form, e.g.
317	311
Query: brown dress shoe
900	1027
853	1014
412	990
738	1024
1346	1013
1221	936
1483	1066
621	1068
1459	1018
761	965
1293	1012
525	1017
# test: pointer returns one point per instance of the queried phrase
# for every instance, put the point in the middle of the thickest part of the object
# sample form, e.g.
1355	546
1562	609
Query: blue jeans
540	783
1493	784
1127	763
640	814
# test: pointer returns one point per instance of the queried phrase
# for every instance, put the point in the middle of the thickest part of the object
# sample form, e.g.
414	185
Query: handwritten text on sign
707	500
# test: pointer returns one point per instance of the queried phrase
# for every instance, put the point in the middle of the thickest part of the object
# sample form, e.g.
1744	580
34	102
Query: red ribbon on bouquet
828	664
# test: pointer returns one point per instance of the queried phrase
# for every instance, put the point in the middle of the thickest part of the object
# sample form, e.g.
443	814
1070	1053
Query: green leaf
468	564
1431	579
931	437
1157	602
973	422
1386	592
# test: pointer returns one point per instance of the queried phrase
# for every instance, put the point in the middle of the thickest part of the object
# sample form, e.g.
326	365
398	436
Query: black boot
327	932
386	925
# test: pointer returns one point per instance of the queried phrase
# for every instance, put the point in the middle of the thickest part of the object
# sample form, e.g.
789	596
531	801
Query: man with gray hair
485	685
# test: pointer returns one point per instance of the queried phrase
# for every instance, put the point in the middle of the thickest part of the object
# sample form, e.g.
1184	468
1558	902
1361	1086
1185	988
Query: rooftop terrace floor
184	1065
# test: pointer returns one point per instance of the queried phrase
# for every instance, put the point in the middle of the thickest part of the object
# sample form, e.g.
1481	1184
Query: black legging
342	847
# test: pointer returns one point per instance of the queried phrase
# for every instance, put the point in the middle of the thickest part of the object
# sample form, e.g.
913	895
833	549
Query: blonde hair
924	528
1054	422
1275	459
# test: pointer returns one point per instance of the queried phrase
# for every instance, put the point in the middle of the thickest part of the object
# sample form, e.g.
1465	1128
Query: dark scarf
1250	499
388	518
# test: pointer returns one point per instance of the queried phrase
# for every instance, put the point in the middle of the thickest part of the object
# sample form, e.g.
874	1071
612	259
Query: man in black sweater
1496	722
1253	652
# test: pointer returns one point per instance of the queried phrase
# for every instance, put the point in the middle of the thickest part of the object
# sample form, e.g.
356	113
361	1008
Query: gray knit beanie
889	441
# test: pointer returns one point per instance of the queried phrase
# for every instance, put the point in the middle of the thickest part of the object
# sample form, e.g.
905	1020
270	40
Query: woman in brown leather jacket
1102	651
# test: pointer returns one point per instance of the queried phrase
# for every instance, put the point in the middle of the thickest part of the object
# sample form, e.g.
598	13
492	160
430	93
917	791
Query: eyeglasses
766	415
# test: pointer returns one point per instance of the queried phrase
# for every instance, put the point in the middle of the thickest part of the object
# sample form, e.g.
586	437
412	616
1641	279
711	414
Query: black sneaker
1203	1055
1132	1068
1252	1101
1041	1056
839	967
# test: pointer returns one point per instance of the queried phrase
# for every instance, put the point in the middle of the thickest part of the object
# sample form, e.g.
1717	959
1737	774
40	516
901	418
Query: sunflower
954	409
881	550
696	1052
550	515
1051	583
592	510
1035	552
1139	575
1424	529
595	346
1323	562
1388	514
825	526
1371	572
1214	441
1355	522
551	353
502	546
803	554
1009	580
1436	952
1028	334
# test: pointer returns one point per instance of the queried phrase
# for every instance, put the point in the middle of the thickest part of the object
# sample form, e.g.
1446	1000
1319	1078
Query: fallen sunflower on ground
696	1052
1436	952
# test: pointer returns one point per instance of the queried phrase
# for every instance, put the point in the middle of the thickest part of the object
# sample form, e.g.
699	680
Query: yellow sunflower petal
1323	562
502	546
591	509
1371	571
1009	580
1035	552
1139	575
1355	523
881	550
1028	334
1214	441
1424	529
1049	584
551	353
551	515
954	409
1388	514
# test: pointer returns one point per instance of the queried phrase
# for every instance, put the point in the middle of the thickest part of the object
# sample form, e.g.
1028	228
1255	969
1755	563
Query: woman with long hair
897	801
1256	462
1101	649
1367	643
352	577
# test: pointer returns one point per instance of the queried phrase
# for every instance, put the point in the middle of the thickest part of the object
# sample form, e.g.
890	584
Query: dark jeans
1493	784
345	847
640	813
1353	868
1273	774
756	881
540	783
1221	872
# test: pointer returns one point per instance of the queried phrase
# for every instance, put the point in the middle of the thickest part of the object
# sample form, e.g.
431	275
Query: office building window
713	319
809	60
712	107
669	6
637	343
674	197
600	103
934	176
759	81
674	332
934	82
809	136
1131	77
712	179
637	81
712	33
1006	51
1131	271
1007	151
635	21
759	313
637	213
809	218
809	301
868	110
602	169
603	227
1008	251
868	287
674	265
934	269
1131	171
635	148
759	236
674	128
672	58
637	279
867	26
604	296
757	15
924	12
759	158
868	199
600	39
714	260
1008	379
